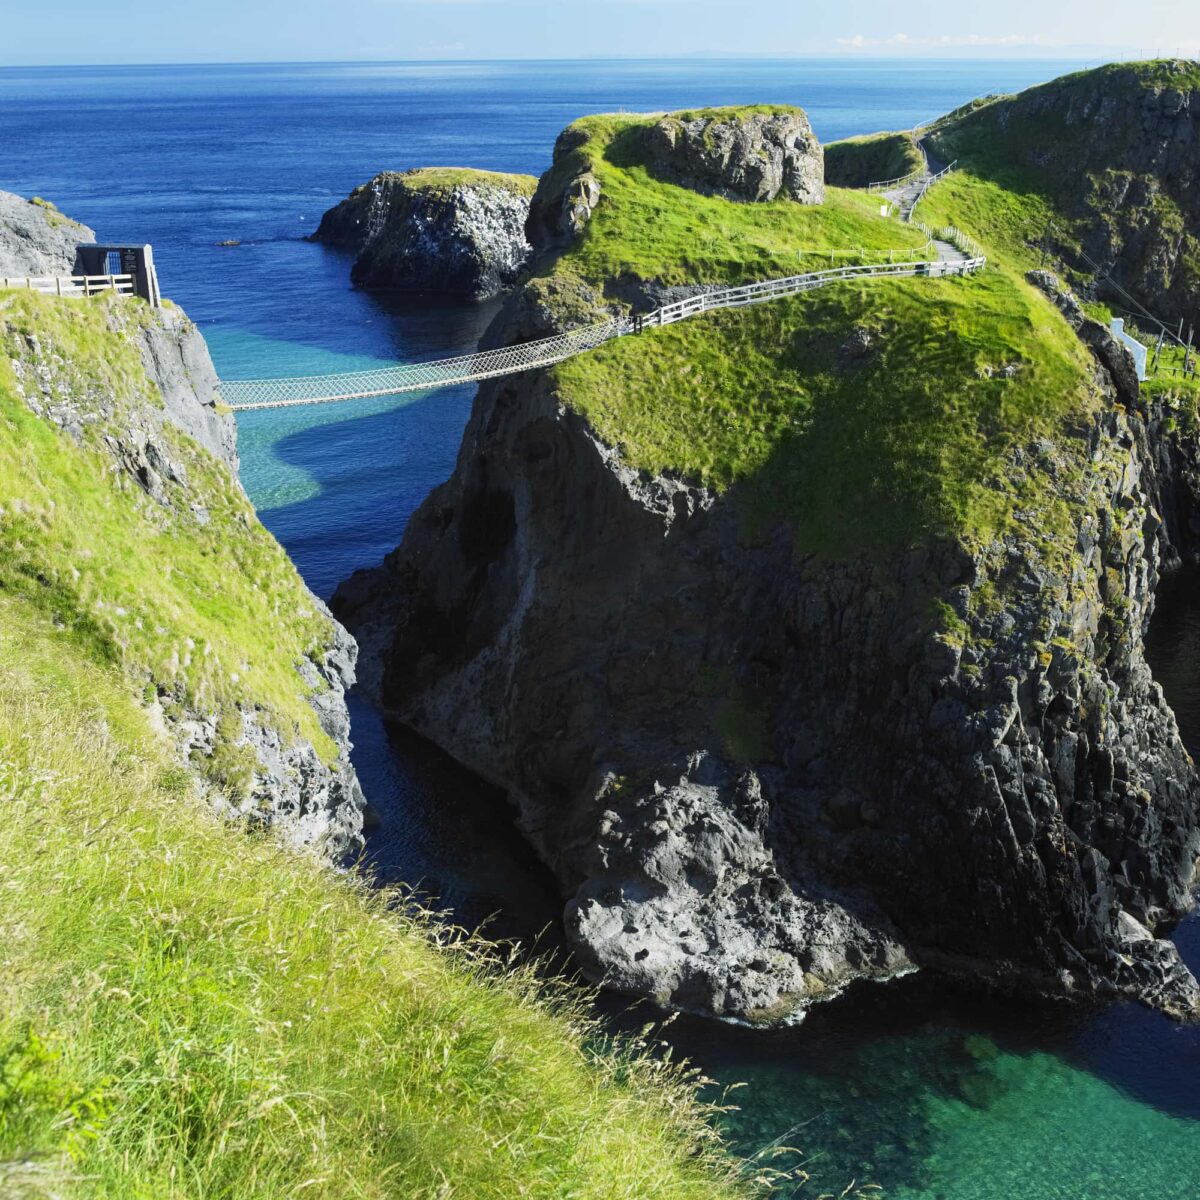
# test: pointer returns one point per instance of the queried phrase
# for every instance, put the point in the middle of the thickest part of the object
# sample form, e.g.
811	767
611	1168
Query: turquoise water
929	1092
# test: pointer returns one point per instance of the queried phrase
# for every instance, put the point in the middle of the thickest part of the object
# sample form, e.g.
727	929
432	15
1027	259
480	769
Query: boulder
753	157
36	239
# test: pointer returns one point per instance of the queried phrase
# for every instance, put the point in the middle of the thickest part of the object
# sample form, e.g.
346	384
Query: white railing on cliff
245	394
887	185
70	285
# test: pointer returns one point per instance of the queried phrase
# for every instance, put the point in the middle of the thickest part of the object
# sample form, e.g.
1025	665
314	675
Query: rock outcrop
754	156
454	232
1006	800
36	239
761	774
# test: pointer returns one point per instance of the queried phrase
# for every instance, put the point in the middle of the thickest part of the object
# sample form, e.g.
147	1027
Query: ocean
923	1090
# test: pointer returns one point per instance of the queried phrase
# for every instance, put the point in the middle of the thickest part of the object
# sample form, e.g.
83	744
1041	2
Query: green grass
1012	224
212	613
872	158
447	178
645	228
857	455
189	1011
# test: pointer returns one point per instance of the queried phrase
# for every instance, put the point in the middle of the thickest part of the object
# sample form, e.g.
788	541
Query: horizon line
1049	54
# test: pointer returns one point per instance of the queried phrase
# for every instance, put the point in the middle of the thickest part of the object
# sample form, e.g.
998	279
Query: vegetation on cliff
184	589
186	1007
1105	160
648	229
869	415
188	1010
444	179
872	158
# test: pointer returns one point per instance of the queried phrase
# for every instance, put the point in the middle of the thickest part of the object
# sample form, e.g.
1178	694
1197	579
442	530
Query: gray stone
36	239
465	239
742	156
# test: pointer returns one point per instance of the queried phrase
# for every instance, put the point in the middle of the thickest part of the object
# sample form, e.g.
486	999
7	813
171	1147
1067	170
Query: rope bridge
246	394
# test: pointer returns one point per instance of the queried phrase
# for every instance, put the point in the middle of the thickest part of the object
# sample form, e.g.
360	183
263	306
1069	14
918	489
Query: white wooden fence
70	285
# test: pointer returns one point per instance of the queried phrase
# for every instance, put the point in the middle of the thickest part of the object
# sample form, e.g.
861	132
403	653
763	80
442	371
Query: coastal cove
948	1095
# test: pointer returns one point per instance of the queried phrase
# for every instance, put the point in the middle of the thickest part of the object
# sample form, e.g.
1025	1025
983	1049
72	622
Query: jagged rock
743	156
36	239
455	232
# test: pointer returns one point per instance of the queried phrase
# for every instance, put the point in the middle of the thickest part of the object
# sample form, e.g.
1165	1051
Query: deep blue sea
928	1093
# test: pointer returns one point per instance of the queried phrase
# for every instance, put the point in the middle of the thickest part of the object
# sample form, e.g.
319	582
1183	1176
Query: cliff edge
807	638
123	520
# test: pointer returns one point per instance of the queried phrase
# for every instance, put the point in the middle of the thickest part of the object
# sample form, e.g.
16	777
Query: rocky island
446	230
806	640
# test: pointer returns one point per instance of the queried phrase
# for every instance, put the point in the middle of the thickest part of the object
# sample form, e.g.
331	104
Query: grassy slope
212	614
1024	146
186	1011
1022	209
649	229
908	442
858	161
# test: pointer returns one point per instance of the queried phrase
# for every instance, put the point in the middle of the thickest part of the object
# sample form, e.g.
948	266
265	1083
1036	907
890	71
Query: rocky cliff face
249	758
760	774
1001	793
36	239
1119	151
459	233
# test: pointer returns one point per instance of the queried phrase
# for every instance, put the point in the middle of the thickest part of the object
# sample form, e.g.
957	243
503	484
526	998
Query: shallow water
930	1093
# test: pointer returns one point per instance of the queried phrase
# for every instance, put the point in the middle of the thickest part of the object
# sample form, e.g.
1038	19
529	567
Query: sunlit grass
646	228
193	597
190	1011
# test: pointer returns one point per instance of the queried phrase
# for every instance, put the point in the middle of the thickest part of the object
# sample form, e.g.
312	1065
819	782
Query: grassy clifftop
868	415
645	228
1105	161
445	179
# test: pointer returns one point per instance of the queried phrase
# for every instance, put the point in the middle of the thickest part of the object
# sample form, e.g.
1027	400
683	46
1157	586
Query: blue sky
141	31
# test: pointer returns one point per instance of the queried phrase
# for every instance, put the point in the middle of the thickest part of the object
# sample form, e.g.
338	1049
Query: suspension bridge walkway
955	255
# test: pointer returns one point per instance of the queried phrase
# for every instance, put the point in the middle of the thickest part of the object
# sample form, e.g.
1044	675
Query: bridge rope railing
245	394
410	377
